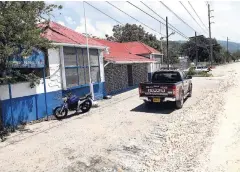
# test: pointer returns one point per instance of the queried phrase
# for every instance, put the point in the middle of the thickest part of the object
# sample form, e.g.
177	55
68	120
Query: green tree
236	55
173	51
189	49
19	32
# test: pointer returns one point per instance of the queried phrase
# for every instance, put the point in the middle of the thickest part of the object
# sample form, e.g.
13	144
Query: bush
191	71
204	74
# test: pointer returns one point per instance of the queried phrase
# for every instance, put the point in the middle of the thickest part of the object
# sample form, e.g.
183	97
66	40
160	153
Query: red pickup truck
168	85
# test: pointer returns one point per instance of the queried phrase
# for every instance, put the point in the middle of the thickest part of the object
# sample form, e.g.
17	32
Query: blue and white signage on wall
35	60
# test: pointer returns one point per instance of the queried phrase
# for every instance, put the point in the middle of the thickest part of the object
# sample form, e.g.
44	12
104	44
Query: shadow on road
162	108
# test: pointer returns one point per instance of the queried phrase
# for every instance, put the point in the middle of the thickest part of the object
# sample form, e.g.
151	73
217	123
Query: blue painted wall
99	90
29	108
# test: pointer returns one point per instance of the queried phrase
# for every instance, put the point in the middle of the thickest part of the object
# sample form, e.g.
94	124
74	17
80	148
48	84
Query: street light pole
161	45
88	56
227	44
196	48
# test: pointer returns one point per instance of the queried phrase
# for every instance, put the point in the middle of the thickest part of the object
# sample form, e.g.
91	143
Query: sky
226	17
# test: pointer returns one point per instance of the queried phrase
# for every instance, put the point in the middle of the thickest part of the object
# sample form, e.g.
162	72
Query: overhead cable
197	15
104	13
191	16
172	27
135	19
153	17
177	16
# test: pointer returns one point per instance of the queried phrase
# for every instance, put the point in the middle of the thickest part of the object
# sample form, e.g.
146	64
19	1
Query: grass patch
203	74
192	72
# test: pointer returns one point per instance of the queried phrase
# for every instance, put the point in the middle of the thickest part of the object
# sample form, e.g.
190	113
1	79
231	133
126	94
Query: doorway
130	75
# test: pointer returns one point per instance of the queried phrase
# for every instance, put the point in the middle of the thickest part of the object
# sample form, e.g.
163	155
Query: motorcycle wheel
86	106
58	114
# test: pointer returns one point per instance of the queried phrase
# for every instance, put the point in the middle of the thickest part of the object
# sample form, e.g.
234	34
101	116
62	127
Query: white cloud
61	23
225	17
100	30
69	20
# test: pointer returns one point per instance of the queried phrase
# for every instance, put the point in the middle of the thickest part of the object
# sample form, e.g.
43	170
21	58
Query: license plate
156	100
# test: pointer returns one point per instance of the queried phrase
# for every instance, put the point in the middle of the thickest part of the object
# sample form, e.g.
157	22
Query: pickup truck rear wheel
179	103
190	91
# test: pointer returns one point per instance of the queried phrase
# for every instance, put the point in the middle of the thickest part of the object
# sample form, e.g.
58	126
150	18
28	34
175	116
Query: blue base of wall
99	90
30	108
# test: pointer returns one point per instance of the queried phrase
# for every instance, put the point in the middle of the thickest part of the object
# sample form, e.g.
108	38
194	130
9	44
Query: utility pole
161	45
88	56
227	50
227	44
167	43
196	48
210	37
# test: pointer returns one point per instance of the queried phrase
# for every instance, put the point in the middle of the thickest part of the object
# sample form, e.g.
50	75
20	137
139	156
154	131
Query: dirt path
124	135
224	154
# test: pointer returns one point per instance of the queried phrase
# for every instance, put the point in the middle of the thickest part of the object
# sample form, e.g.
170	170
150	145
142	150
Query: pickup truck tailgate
156	89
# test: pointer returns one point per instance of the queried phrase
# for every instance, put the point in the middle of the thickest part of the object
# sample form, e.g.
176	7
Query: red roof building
127	64
130	52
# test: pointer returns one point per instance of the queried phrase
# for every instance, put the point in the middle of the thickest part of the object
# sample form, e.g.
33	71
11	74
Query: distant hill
232	46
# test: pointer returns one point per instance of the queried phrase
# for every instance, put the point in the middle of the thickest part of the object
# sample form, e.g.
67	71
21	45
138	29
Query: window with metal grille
76	66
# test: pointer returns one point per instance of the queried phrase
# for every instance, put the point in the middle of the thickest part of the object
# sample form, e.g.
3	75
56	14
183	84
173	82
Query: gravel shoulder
123	135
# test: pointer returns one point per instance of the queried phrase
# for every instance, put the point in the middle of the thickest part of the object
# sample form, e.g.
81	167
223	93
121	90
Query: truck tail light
140	90
174	89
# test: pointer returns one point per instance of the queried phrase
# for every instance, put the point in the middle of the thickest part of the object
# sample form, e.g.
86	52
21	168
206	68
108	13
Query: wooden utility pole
210	37
167	43
161	47
196	48
227	44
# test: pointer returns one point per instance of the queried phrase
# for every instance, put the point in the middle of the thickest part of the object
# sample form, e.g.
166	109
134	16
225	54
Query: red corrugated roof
127	52
122	57
61	34
118	52
140	48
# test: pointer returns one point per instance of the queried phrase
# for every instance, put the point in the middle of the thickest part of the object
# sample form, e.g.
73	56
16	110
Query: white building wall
101	66
53	82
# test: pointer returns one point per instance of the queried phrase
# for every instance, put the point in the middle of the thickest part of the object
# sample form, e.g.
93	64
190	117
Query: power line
172	27
134	18
104	13
192	16
145	12
197	14
154	17
177	15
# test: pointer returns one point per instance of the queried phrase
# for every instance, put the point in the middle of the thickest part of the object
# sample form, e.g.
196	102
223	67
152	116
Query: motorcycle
73	103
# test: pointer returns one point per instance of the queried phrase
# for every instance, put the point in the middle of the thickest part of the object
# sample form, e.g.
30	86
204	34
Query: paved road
123	135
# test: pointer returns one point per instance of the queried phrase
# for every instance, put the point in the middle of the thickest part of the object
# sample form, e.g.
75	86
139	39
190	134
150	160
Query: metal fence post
10	96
